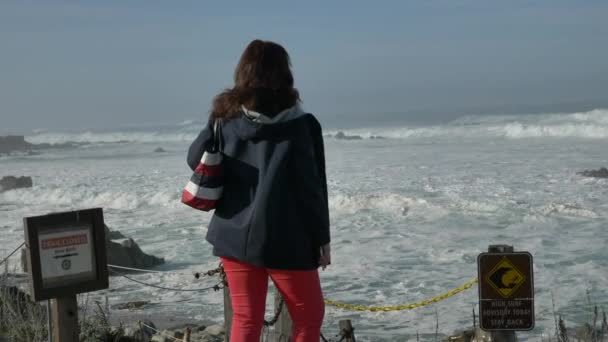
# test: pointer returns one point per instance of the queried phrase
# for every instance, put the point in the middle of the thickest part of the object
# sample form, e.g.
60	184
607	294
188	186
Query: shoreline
108	319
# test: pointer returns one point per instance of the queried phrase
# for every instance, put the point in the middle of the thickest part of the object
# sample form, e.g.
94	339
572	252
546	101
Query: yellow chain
360	307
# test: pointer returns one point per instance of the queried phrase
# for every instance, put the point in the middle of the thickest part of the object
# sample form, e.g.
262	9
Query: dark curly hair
263	82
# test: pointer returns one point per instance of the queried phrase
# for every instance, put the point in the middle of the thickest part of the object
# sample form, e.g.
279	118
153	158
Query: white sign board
67	254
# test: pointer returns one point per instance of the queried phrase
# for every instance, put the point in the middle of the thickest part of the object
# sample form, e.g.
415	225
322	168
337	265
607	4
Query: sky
84	64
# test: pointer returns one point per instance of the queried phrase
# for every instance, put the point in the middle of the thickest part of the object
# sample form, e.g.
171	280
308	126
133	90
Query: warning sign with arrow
506	291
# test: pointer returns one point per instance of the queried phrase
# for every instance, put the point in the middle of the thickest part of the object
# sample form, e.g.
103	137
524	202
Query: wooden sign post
66	255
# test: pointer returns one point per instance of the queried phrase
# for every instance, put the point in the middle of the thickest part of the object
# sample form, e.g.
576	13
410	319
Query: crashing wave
68	197
588	125
566	209
110	137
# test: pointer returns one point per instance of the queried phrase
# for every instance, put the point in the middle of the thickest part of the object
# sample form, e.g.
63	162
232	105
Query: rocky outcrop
478	335
136	305
212	333
11	182
113	234
125	252
141	332
600	173
146	330
342	136
14	143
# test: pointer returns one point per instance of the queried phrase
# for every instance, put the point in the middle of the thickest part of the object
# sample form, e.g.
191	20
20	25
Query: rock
167	336
478	335
215	330
600	173
194	327
483	336
131	305
204	337
11	182
341	136
141	332
113	234
463	336
128	254
14	143
125	252
160	150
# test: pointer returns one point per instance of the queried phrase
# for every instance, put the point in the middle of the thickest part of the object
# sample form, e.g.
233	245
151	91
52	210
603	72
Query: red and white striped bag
206	184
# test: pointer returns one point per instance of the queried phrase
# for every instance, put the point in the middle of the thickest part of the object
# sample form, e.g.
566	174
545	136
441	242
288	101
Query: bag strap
217	136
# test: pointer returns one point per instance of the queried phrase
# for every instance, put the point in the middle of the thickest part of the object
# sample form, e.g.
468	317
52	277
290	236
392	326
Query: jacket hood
254	125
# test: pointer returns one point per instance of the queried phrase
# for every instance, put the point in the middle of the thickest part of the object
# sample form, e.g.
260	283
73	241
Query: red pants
301	291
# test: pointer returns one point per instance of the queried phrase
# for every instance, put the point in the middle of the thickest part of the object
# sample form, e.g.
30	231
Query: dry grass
595	330
22	320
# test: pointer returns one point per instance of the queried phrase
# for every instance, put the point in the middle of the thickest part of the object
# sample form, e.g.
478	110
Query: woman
272	220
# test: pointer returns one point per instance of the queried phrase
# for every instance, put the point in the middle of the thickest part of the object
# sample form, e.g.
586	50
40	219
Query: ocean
409	213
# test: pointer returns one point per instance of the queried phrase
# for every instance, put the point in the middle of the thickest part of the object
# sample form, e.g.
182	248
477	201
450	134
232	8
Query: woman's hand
325	258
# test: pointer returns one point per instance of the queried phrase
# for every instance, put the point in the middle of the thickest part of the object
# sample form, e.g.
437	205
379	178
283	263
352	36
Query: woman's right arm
312	183
202	143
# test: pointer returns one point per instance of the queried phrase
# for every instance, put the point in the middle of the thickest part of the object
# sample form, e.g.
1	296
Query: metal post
500	249
347	331
50	320
284	325
227	311
502	336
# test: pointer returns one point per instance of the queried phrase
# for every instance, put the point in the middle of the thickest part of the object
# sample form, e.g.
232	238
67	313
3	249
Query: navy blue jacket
274	209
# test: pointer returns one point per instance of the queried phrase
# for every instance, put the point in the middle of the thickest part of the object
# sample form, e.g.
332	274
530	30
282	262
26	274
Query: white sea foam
408	220
110	137
389	203
79	196
588	125
565	209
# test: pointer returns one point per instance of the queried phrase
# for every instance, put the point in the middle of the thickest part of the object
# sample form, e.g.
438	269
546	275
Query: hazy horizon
108	64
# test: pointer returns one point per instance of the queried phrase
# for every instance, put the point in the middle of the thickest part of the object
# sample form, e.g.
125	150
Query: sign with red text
67	254
506	291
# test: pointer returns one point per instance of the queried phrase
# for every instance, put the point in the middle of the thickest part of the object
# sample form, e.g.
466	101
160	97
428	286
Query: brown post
187	335
502	336
64	312
284	325
227	311
347	332
500	249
